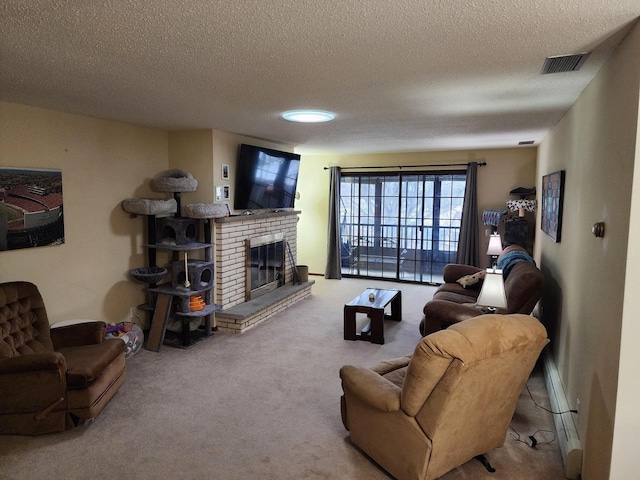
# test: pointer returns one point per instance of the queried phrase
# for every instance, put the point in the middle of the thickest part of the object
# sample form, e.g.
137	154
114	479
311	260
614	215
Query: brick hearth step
241	317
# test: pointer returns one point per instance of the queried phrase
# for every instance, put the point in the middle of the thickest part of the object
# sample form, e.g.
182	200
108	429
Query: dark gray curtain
332	269
468	244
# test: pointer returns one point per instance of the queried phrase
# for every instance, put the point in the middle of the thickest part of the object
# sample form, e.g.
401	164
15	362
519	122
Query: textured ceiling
400	75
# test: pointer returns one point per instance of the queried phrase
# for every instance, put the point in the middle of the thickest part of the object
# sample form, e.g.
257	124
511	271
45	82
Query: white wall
102	163
624	460
586	297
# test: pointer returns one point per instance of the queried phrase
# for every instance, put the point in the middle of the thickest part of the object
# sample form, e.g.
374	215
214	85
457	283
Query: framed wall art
31	209
225	171
552	193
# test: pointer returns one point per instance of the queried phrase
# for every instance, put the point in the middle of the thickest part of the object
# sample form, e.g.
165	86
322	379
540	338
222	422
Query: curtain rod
480	164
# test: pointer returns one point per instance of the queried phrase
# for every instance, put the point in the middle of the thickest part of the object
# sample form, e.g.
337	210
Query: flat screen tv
265	178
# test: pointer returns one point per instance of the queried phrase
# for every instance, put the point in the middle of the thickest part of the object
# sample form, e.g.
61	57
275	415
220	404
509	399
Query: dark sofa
452	303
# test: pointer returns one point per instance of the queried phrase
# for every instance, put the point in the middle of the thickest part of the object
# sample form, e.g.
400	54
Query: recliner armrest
382	368
371	388
33	394
32	362
87	333
31	383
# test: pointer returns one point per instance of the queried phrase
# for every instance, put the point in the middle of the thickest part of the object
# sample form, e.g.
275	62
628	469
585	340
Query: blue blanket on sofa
508	260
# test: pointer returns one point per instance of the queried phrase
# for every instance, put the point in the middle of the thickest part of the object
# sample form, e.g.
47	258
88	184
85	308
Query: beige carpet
263	405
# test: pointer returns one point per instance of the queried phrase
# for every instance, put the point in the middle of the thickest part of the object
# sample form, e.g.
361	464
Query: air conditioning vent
526	142
564	63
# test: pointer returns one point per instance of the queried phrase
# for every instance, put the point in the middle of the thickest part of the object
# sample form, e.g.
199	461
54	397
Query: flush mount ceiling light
308	116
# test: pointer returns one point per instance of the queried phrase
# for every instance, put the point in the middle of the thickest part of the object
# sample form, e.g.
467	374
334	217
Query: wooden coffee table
374	330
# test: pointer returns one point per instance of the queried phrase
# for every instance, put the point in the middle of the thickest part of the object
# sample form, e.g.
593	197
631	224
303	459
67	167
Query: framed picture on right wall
552	193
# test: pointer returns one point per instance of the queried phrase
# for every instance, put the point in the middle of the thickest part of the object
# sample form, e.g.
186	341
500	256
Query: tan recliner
422	415
51	380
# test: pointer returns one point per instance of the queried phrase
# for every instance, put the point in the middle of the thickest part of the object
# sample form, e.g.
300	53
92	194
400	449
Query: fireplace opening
265	264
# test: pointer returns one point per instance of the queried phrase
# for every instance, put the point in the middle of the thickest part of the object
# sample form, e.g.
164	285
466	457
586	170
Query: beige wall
585	299
102	163
203	152
506	169
192	151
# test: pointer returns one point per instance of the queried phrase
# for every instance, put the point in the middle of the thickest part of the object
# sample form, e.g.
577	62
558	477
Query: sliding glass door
400	226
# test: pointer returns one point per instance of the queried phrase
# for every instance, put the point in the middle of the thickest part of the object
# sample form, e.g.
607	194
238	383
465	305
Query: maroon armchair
51	379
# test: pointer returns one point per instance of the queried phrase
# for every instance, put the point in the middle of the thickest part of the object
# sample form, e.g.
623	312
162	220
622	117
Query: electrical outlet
577	407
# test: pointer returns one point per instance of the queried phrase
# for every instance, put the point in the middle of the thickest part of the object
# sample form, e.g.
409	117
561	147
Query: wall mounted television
265	178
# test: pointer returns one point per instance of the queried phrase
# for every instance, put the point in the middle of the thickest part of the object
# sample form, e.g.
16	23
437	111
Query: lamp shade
492	293
495	245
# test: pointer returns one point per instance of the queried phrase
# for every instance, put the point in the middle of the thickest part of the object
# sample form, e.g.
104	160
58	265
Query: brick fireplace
232	239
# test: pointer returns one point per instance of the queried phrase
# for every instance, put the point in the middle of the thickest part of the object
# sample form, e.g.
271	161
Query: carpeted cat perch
175	180
205	210
149	206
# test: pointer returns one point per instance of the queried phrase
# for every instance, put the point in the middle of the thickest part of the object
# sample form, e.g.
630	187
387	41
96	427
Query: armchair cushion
87	362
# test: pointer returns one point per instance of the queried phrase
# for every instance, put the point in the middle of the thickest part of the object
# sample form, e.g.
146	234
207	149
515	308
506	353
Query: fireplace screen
265	264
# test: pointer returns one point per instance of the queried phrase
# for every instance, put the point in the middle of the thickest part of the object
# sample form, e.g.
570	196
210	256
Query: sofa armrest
441	314
453	271
371	388
451	312
88	333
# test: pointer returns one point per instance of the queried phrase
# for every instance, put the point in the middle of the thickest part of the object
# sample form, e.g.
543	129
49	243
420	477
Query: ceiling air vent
526	142
564	63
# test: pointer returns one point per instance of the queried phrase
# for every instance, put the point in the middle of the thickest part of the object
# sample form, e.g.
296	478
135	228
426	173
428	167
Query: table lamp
492	293
495	248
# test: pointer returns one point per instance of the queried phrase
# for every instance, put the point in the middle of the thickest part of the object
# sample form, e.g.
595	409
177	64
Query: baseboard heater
566	431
